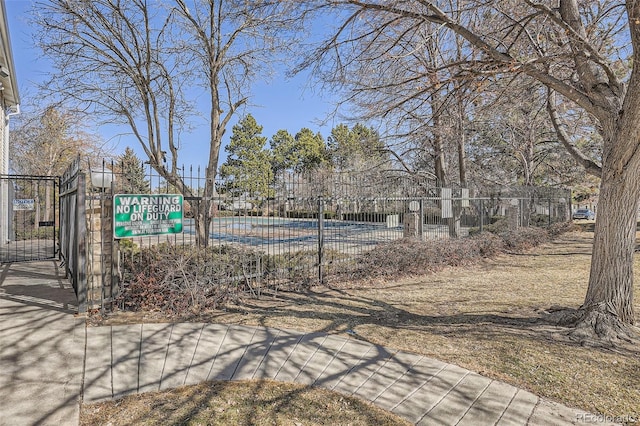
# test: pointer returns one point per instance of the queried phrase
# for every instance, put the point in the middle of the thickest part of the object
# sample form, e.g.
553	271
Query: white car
584	214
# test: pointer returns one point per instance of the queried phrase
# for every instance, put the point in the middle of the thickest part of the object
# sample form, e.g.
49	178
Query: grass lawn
495	318
239	403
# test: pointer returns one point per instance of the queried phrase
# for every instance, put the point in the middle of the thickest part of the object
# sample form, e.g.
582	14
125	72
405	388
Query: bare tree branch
589	165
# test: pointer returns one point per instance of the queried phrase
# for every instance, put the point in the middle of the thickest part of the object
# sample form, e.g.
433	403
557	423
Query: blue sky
280	104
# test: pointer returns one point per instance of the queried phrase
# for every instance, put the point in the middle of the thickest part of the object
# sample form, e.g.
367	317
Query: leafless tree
587	53
45	141
514	141
146	64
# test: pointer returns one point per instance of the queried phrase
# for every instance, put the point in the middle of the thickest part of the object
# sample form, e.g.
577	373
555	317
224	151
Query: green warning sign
136	215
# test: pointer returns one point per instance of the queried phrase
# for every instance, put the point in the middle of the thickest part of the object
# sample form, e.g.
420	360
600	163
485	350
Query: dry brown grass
238	403
494	318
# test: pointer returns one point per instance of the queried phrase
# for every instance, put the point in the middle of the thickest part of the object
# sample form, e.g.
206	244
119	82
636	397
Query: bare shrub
560	228
415	257
522	239
180	279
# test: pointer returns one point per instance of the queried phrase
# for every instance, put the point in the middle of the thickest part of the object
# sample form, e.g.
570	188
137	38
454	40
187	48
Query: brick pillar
100	257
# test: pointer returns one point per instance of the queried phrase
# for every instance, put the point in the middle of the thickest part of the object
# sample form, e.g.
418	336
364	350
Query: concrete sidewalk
122	360
41	346
42	351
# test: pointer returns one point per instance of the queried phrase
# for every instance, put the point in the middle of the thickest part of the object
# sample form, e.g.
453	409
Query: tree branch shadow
344	312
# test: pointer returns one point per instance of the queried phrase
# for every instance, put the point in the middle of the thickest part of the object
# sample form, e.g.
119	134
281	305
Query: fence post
80	245
481	215
422	220
320	240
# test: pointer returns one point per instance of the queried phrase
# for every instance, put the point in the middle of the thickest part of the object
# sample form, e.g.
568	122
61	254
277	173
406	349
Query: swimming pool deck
277	236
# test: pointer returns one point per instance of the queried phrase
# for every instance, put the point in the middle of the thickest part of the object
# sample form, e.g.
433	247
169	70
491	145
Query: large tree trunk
607	312
203	215
202	220
611	280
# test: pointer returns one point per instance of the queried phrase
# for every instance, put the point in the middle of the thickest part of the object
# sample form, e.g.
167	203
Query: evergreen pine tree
131	173
248	166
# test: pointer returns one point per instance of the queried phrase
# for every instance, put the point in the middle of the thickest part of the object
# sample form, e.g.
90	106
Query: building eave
9	83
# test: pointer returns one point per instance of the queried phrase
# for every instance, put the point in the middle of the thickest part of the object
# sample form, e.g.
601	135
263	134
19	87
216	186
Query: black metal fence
29	218
296	230
73	235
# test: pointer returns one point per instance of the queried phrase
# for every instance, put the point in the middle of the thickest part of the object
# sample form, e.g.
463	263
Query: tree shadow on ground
340	311
502	326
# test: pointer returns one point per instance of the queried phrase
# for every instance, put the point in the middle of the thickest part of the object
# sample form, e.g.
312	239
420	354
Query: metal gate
28	218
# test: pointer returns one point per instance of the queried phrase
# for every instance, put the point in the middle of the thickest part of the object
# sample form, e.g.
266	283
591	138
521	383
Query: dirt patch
498	317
